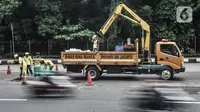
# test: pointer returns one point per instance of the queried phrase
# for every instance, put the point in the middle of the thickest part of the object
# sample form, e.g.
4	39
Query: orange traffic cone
56	68
8	70
89	80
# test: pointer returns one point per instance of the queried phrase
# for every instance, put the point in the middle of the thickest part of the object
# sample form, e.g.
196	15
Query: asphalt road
112	93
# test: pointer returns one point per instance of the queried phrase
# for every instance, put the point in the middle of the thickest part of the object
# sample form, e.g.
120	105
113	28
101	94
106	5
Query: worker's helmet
16	55
26	53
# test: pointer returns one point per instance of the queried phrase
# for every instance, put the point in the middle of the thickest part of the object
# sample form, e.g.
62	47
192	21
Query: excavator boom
134	19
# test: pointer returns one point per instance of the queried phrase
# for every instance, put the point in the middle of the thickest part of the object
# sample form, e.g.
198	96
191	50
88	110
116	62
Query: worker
37	63
95	43
37	59
23	65
29	61
48	63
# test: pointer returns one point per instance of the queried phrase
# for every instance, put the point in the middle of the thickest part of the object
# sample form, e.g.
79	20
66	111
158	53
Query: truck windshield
169	49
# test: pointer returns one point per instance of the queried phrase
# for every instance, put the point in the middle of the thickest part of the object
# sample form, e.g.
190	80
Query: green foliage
79	19
49	17
115	28
45	5
6	10
71	32
166	26
7	7
48	25
71	28
145	12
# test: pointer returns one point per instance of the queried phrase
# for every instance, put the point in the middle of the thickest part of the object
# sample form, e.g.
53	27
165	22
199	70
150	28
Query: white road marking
139	93
79	88
179	98
165	85
182	102
136	86
190	85
13	99
154	80
170	90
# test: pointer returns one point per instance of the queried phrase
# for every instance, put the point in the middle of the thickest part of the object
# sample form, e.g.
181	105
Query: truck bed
100	58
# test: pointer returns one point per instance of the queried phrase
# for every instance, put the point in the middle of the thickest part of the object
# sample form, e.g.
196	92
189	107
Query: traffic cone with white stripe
89	80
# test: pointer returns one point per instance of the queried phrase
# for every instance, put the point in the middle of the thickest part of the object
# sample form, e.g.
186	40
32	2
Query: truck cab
168	53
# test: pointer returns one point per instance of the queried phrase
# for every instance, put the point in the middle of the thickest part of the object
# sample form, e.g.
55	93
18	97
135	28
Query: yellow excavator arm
135	19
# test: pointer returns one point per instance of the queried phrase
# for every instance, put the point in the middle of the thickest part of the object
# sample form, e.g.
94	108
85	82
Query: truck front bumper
180	70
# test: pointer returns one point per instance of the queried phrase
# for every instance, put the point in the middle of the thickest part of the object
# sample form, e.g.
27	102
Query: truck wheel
166	74
94	72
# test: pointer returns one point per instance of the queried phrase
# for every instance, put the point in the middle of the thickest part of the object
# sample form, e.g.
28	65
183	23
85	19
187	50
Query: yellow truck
168	60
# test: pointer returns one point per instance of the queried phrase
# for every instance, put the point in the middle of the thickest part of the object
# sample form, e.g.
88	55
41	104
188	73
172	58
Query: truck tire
166	74
94	72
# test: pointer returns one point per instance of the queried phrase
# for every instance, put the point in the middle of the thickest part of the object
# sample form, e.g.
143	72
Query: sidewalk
58	61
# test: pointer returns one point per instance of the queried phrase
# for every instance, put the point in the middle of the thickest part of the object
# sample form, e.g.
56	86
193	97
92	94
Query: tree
166	26
7	7
71	32
38	20
115	28
49	17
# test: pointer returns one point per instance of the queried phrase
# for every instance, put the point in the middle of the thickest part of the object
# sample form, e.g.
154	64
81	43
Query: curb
197	60
14	62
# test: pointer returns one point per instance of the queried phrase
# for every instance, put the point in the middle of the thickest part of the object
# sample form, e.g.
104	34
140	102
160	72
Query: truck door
169	54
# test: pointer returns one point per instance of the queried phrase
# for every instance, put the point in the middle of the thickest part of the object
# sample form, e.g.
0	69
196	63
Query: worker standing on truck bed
95	43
